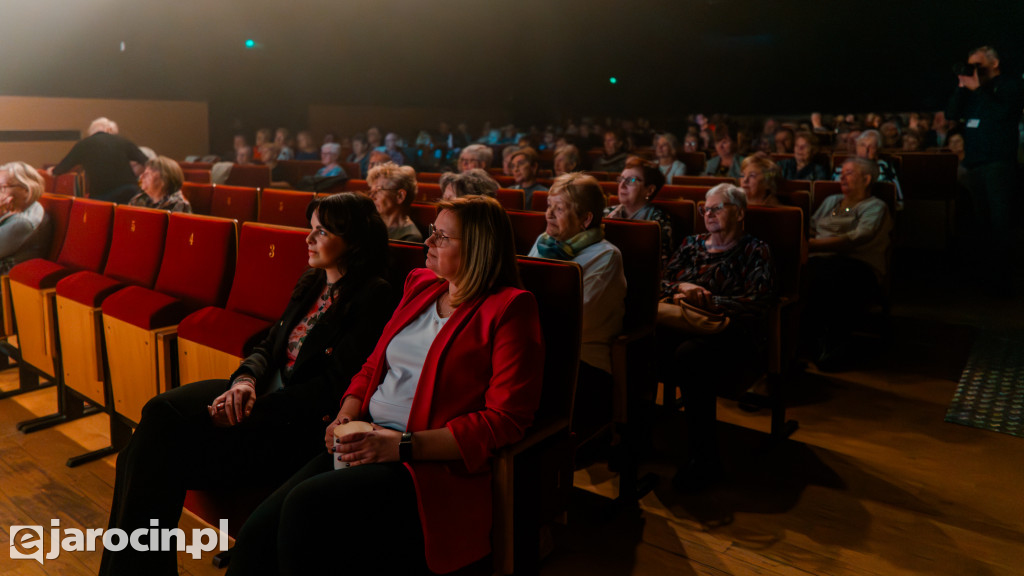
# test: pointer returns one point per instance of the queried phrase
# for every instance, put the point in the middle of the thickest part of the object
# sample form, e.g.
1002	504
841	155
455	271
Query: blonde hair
487	251
27	177
401	177
769	170
584	194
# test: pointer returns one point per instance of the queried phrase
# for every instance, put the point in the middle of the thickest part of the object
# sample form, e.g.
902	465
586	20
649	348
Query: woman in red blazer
456	374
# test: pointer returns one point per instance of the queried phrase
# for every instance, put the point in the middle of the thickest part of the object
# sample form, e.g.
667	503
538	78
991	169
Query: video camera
964	69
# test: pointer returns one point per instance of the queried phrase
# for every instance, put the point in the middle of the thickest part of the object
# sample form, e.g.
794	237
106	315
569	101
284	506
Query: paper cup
344	430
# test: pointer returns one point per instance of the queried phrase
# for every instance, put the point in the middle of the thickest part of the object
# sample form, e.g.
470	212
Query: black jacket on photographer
989	116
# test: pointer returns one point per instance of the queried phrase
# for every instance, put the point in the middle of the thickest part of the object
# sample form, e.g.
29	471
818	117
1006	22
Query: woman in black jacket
268	419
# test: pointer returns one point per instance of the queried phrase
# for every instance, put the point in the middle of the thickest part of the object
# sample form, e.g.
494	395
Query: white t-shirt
391	403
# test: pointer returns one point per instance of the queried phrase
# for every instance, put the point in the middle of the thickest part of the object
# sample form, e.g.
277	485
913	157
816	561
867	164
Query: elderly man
523	164
475	156
107	160
868	143
989	104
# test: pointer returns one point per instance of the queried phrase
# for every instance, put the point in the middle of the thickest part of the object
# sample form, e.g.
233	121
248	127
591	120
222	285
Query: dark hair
354	217
652	174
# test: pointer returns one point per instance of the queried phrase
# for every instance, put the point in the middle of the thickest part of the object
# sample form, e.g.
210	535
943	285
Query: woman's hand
693	294
235	405
381	445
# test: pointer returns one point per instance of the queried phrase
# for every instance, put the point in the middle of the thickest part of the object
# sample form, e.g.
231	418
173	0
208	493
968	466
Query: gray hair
672	140
27	177
103	124
733	194
872	133
864	166
331	147
988	51
475	182
479	152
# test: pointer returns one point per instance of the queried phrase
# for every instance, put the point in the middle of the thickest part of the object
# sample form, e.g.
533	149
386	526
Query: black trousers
176	447
360	520
993	190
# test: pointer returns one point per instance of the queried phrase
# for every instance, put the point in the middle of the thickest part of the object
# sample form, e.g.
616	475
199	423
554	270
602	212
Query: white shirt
391	403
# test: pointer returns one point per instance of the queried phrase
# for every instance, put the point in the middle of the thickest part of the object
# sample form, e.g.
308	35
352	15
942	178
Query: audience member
377	158
524	170
329	158
306	146
360	153
567	159
263	136
161	187
393	190
284	151
665	151
802	165
892	134
475	182
639	184
243	155
506	159
374	139
107	160
759	180
911	141
867	147
455	376
727	163
25	228
475	156
268	419
784	140
615	154
393	147
726	271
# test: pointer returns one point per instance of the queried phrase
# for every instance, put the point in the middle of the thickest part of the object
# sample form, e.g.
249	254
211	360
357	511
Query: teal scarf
557	250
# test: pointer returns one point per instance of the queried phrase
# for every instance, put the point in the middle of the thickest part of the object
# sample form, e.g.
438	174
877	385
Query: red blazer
482	380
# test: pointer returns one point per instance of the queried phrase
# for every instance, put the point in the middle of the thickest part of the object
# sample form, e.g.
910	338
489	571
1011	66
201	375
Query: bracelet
247	380
405	447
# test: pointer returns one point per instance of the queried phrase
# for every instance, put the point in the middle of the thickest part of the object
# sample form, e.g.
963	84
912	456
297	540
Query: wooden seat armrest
537	433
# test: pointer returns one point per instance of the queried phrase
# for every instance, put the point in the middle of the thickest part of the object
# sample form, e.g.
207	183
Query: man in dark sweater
106	159
988	104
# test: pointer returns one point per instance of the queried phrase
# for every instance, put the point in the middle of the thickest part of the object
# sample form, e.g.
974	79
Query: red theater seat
251	175
235	203
199	195
284	207
197	176
511	199
428	192
526	227
196	271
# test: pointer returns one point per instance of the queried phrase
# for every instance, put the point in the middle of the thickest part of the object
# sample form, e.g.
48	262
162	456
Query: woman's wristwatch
405	447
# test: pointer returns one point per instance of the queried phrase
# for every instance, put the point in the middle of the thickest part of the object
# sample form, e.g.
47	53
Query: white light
122	46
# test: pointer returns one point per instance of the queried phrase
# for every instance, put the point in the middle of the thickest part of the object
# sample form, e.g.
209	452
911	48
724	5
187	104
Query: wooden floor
873	483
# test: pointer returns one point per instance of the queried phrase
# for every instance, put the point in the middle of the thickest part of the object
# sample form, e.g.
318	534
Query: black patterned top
741	279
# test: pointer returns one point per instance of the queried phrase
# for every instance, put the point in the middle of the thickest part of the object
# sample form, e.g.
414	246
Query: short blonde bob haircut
487	252
396	177
769	170
584	194
26	176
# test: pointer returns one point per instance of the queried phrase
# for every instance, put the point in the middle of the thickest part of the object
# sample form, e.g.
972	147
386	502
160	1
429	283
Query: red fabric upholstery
431	177
284	207
145	308
38	273
58	208
270	261
295	170
428	192
137	245
197	176
640	242
511	199
224	330
404	257
88	288
252	175
65	184
352	169
355	186
199	260
526	227
200	196
690	192
88	235
235	202
423	215
681	213
539	201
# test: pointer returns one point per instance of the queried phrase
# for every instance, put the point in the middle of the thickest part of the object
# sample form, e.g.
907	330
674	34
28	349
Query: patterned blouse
172	202
741	279
320	307
655	214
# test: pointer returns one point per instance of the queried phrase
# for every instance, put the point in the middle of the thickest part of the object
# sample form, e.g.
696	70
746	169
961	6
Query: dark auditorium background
542	60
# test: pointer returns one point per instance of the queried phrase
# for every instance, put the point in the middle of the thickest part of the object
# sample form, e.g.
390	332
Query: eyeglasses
628	181
439	238
9	186
375	191
714	210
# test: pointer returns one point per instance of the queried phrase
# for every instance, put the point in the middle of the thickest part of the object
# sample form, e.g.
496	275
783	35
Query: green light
613	80
250	43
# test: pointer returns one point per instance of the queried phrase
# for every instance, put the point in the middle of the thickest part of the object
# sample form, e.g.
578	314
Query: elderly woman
475	156
267	419
728	271
727	163
574	232
867	145
849	251
760	180
639	183
455	376
802	166
567	159
475	182
329	157
161	187
393	189
25	229
665	150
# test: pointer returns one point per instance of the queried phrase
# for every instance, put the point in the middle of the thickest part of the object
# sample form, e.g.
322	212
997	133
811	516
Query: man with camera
988	105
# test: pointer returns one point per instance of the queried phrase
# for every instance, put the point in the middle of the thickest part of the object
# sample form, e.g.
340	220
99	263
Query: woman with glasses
665	150
639	183
455	376
727	271
393	189
25	229
266	420
161	187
